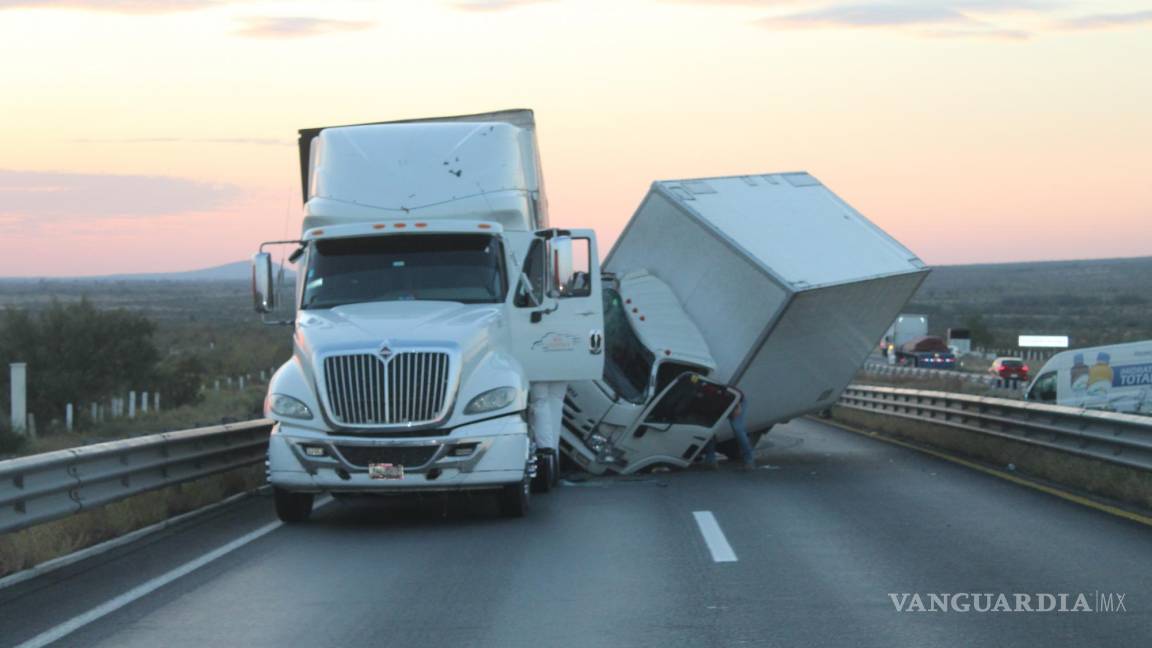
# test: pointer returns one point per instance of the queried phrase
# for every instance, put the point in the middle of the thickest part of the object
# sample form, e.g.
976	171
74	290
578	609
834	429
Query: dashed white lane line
140	591
714	537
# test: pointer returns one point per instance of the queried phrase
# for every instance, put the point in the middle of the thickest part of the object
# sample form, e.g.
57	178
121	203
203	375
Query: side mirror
263	286
560	264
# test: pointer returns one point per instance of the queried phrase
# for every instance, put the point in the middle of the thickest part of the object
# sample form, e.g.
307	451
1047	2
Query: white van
1117	377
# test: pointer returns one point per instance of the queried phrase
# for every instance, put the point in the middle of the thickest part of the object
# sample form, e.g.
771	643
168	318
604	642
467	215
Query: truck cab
431	294
653	404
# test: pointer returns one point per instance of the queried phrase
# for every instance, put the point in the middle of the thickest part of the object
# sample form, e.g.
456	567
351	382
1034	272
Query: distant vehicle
1009	368
960	341
906	328
927	351
1117	377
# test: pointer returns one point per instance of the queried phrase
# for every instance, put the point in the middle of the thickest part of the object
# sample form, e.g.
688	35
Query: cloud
982	32
43	196
927	18
492	5
257	141
1106	21
299	26
869	15
114	6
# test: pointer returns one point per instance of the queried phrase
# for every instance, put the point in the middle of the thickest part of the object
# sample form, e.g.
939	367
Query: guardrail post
131	404
156	403
241	382
19	393
143	402
68	417
217	388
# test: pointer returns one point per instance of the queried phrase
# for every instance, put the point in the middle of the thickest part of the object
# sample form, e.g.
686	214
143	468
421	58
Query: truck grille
409	456
366	389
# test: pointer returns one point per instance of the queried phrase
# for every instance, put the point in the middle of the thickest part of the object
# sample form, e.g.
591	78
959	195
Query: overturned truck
768	283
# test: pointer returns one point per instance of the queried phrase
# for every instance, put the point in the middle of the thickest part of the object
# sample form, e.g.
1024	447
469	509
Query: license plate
385	471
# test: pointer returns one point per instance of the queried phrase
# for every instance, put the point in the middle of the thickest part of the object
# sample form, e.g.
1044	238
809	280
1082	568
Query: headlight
282	405
491	400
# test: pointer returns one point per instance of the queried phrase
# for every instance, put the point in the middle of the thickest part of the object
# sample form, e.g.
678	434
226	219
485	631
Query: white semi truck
769	283
431	294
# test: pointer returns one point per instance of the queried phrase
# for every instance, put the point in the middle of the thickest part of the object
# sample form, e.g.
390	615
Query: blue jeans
740	431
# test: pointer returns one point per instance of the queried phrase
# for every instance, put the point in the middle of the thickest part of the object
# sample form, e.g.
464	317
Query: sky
159	135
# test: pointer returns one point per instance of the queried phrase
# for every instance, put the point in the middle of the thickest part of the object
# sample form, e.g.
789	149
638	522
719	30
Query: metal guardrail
988	380
1123	439
44	487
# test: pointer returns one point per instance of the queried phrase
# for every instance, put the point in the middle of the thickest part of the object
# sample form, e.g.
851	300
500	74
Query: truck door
558	318
677	423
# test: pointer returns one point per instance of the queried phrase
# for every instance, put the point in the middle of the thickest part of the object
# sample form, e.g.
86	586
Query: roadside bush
76	352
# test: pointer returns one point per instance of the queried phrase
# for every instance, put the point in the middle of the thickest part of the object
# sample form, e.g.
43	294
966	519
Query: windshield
467	268
627	364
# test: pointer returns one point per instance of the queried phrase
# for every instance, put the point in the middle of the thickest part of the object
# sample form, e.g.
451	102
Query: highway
820	537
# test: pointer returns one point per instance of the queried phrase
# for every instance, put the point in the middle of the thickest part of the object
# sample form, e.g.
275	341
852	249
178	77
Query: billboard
1043	341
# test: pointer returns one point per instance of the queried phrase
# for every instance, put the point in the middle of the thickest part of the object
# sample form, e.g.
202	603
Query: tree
979	330
77	353
180	379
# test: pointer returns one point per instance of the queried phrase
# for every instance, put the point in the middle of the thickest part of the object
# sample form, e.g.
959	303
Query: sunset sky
156	135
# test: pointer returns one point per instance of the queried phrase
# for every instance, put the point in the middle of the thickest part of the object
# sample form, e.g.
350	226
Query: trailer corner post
19	394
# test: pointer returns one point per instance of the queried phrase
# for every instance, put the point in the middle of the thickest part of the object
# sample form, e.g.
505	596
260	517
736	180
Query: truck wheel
555	470
514	499
292	507
544	469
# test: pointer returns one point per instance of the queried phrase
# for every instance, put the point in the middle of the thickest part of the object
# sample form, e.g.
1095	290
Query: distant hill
238	271
1095	301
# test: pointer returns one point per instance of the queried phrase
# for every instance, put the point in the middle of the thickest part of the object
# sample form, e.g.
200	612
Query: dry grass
1129	485
233	404
29	547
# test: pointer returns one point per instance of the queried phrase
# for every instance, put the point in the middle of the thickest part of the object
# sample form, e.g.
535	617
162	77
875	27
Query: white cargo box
791	287
467	167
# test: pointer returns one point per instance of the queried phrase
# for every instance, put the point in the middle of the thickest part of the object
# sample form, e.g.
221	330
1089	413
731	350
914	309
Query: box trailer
789	287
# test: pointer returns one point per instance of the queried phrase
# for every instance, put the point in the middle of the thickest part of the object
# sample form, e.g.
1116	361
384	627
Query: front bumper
481	456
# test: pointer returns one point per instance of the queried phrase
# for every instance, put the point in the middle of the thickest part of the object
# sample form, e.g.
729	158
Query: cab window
535	269
1044	389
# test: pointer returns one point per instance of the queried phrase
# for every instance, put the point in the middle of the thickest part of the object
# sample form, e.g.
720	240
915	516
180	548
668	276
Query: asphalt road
822	537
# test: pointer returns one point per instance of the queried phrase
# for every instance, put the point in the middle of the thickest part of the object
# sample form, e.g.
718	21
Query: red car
1009	369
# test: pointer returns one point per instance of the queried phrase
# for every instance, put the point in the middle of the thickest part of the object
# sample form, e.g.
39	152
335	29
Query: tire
292	507
542	483
555	469
514	499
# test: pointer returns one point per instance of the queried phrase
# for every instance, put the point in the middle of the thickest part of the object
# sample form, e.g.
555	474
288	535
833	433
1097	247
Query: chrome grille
408	456
367	389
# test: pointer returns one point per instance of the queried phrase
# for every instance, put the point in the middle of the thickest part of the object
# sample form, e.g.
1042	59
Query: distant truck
768	283
927	351
431	295
1116	377
905	328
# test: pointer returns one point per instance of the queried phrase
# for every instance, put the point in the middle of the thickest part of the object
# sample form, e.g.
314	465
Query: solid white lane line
714	537
140	591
